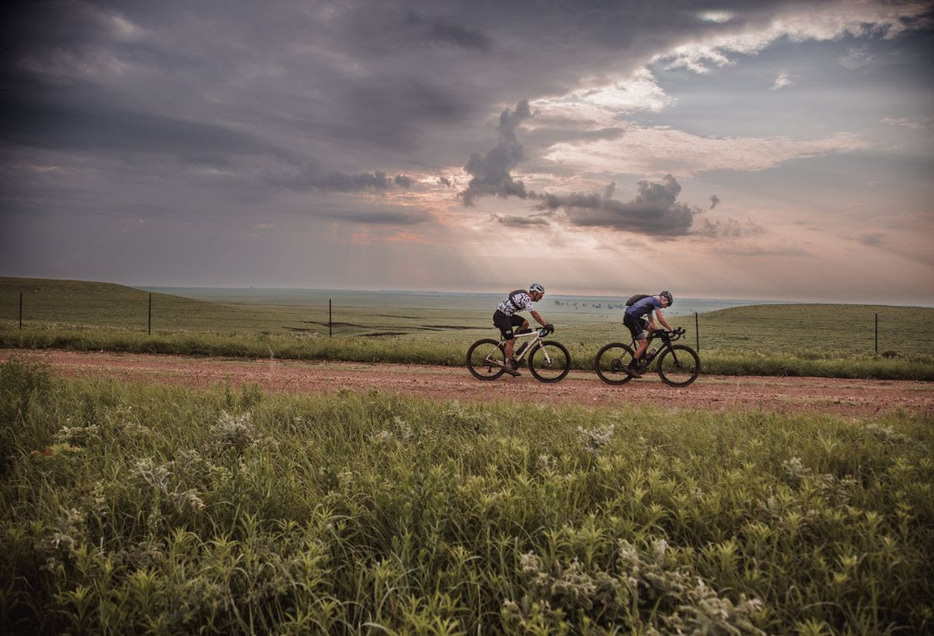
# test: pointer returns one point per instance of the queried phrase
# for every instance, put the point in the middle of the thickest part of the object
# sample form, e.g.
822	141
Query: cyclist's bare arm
661	319
538	317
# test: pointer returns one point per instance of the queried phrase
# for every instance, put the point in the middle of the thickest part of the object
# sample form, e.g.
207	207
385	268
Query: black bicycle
549	361
677	364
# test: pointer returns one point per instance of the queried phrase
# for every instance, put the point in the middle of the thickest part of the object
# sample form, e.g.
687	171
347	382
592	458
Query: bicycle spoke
485	359
679	365
611	363
550	362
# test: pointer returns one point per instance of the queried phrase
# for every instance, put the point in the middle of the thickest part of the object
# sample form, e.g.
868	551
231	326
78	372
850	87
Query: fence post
150	314
697	330
877	334
330	331
21	311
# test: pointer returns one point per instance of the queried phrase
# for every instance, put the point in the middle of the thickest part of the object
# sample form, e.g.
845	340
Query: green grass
822	340
141	509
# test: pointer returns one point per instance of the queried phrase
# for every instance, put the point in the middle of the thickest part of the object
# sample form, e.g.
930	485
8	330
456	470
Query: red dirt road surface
786	395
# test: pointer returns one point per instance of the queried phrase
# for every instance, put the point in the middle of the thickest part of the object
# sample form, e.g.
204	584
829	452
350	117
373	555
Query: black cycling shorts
505	323
637	326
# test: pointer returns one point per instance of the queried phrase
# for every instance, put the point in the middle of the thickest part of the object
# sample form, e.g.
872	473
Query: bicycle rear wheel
486	359
611	362
550	361
679	365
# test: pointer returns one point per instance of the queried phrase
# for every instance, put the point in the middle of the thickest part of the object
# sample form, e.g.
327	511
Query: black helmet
667	294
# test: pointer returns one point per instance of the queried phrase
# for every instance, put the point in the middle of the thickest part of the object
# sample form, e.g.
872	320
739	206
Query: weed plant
141	509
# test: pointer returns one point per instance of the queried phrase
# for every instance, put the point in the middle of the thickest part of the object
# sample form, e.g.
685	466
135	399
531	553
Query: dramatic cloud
491	171
655	210
687	154
327	133
821	21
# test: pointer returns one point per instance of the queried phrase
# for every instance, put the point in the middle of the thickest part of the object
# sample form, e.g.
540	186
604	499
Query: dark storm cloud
655	210
309	177
714	201
442	31
43	120
338	84
341	182
491	171
537	220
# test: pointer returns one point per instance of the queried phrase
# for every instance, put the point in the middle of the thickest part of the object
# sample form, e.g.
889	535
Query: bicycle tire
610	362
486	359
679	365
557	368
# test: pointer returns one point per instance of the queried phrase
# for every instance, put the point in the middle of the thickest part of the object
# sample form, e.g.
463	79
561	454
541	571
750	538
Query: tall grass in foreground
140	509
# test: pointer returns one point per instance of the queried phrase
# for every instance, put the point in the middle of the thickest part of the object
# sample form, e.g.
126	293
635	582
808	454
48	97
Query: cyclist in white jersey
509	323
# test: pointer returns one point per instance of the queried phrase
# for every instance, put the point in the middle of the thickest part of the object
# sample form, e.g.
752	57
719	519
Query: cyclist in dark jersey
638	317
508	322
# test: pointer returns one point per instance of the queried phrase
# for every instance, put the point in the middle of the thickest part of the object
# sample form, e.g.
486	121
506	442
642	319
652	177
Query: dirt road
811	395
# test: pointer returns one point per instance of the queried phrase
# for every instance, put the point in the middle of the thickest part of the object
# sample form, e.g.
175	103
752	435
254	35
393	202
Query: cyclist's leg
506	328
517	323
637	329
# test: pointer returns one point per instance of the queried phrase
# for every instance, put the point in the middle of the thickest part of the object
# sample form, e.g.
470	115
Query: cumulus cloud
491	171
714	201
655	211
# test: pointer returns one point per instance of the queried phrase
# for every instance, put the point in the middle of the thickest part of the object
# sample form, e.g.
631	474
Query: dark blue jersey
644	307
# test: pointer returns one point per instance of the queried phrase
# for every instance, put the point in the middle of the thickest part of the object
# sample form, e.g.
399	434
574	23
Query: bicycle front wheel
611	363
550	361
486	359
679	365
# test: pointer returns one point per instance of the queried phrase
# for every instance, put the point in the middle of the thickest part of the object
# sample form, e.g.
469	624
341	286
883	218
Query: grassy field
141	509
834	340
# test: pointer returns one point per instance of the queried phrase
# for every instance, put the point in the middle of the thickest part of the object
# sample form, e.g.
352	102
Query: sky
739	150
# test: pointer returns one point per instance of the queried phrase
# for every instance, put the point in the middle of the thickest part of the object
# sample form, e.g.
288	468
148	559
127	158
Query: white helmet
536	287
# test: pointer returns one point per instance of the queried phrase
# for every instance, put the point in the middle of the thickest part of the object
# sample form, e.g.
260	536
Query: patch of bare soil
786	395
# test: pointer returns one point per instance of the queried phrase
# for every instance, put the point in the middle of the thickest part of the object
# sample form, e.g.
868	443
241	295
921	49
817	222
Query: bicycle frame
530	346
666	337
548	360
677	364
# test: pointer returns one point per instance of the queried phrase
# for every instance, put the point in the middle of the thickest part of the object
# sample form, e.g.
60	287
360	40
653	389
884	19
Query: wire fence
853	328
